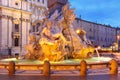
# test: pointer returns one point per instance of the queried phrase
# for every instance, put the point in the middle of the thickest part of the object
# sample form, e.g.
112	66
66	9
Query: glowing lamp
78	31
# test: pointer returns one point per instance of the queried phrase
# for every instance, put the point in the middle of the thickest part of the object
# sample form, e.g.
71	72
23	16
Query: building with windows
99	34
16	19
102	35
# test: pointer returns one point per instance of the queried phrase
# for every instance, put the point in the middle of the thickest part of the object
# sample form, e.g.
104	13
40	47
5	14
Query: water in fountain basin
69	61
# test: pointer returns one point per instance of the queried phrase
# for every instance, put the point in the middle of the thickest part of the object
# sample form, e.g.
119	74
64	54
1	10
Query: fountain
58	42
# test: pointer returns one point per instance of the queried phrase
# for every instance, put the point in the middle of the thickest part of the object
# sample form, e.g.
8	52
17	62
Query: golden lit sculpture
34	49
68	14
58	40
68	18
82	34
86	52
49	43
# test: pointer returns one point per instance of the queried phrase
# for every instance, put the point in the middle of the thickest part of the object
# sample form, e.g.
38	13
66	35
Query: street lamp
118	37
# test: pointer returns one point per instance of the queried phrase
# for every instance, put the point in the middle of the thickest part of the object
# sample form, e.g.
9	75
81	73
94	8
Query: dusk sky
100	11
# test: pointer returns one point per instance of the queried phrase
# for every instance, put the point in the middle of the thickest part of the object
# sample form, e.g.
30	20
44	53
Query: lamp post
118	37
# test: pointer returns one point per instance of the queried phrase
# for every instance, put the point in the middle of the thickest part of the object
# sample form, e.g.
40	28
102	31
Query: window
16	4
105	39
101	39
30	7
90	30
33	29
16	41
43	1
77	21
16	27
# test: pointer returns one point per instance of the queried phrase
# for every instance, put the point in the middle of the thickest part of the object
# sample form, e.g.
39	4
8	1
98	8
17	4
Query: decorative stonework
17	12
16	21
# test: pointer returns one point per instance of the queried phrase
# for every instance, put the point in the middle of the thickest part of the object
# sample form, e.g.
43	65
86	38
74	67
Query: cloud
102	11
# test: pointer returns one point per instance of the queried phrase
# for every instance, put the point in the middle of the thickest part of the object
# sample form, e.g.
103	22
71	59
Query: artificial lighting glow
78	31
118	36
9	59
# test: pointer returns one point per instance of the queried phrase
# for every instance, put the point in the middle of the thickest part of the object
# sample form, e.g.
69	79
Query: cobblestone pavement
60	77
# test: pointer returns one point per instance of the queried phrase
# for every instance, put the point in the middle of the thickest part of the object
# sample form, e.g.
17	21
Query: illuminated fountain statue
56	39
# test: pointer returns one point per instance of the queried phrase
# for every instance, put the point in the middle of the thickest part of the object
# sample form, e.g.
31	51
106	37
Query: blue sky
100	11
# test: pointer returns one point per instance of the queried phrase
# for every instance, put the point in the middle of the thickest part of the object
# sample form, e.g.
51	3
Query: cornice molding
15	9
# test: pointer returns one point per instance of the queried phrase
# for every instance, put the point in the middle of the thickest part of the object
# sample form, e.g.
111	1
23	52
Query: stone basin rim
61	63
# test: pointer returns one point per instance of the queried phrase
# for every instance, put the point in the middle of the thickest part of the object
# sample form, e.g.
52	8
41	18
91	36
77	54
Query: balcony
15	34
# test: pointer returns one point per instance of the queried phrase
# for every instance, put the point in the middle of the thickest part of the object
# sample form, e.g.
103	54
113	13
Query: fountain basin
69	61
70	64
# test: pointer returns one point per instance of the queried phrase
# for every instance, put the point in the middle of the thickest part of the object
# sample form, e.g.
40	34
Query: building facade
99	34
16	18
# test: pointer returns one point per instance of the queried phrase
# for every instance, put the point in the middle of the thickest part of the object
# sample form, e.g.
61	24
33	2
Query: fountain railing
47	67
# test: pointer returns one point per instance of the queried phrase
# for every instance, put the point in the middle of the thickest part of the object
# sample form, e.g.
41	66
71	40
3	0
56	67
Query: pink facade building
16	20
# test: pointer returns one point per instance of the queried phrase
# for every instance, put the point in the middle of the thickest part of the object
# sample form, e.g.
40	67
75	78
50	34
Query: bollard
113	66
16	55
83	68
46	68
11	68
